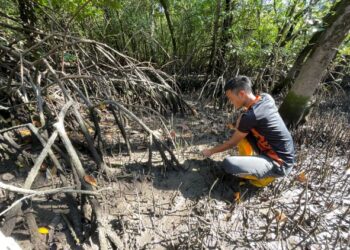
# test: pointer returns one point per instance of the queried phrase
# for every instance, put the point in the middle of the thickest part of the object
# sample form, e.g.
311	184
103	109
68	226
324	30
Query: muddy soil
151	207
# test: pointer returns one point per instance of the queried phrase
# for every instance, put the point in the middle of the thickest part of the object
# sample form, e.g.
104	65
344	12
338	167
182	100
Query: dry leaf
194	112
25	132
187	134
25	135
43	230
173	134
53	171
102	106
91	180
7	177
302	177
237	196
280	216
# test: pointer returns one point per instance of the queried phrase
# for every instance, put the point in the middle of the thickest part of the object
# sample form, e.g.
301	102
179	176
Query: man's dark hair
239	83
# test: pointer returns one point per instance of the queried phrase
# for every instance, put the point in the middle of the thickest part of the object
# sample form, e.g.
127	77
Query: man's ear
241	93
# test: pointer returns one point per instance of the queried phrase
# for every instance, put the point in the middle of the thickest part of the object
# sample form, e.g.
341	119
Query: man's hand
207	152
232	142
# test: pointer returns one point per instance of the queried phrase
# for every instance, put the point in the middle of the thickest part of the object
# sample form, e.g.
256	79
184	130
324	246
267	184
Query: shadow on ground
199	179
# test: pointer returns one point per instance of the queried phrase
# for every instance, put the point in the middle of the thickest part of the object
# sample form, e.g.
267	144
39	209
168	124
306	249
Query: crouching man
260	133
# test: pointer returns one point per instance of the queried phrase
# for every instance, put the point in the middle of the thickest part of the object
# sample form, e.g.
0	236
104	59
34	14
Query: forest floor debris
158	208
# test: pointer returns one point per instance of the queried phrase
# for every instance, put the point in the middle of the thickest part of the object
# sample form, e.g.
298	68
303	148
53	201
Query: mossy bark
316	63
338	11
293	107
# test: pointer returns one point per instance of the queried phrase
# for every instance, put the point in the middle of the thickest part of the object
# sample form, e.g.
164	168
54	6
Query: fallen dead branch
61	73
33	193
50	191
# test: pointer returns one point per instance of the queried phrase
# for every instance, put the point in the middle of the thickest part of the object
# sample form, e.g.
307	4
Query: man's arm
232	142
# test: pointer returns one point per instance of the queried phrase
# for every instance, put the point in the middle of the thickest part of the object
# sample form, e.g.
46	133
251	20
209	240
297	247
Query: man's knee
237	165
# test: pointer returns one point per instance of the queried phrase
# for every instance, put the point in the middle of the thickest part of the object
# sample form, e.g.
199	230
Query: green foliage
69	57
262	34
93	8
345	48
